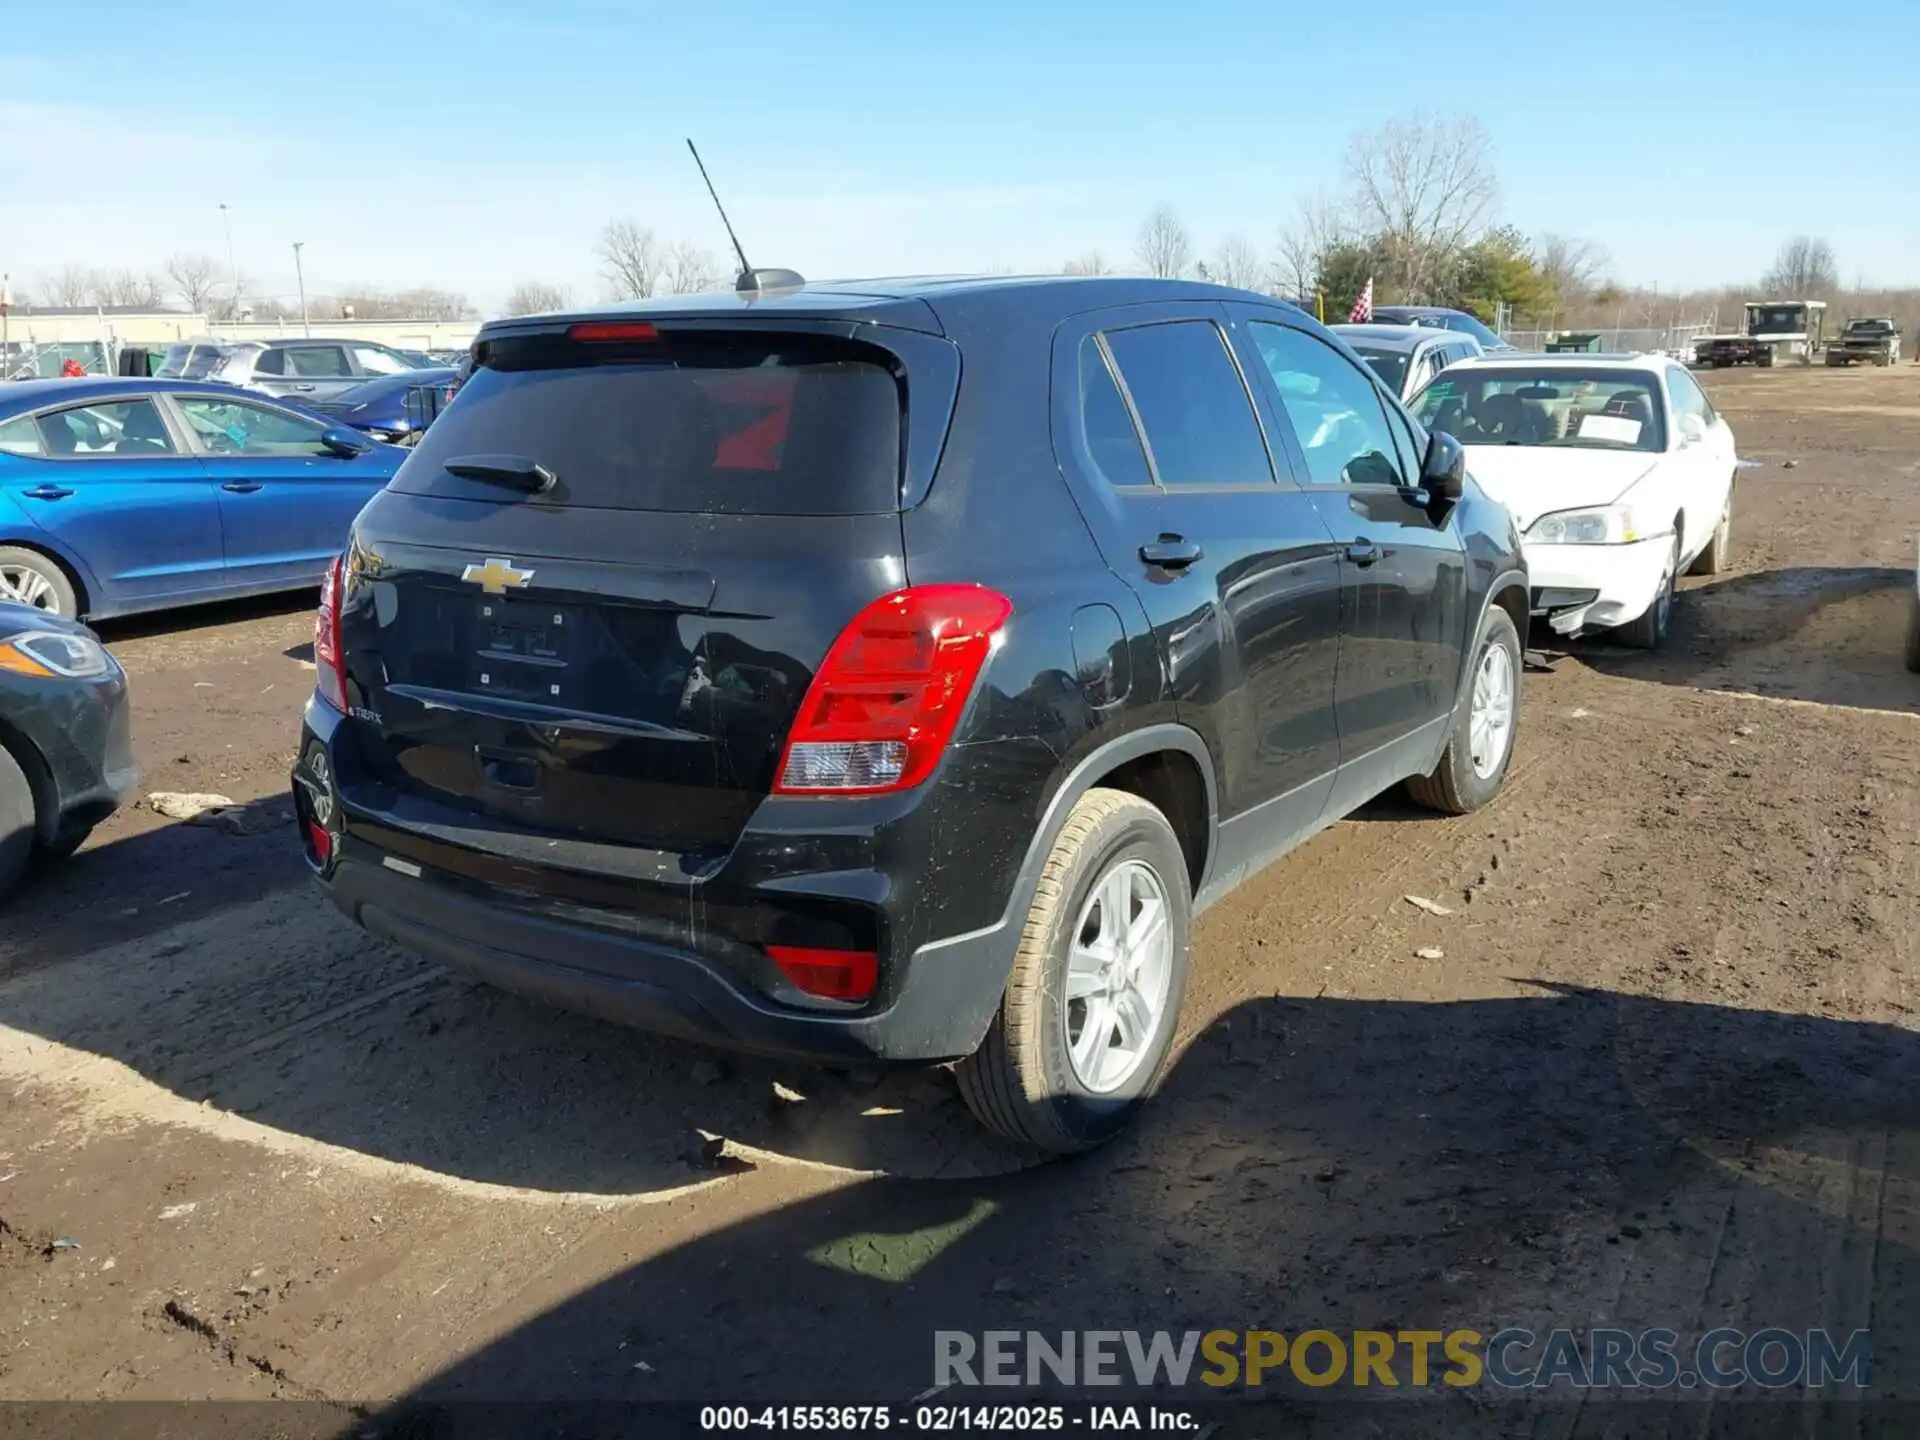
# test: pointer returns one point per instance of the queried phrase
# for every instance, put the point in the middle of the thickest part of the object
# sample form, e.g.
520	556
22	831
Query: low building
115	326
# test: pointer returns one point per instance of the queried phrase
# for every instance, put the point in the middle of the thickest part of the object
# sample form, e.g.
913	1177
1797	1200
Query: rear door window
737	423
1199	419
118	429
319	362
267	362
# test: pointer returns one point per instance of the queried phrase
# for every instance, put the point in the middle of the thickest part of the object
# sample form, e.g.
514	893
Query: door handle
48	492
1170	552
303	389
242	487
1363	553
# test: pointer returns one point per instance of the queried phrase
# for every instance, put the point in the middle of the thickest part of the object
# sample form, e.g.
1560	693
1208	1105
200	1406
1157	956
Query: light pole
301	276
226	221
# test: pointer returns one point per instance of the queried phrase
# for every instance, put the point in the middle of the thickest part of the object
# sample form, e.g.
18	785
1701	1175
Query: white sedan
1616	469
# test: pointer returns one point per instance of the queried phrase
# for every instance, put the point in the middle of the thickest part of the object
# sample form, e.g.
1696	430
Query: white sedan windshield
1569	409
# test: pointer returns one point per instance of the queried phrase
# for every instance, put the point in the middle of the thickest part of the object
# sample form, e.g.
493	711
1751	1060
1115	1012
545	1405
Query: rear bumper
660	988
1595	587
682	960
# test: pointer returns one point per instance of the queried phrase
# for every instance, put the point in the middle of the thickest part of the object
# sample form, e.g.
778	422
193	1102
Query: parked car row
678	671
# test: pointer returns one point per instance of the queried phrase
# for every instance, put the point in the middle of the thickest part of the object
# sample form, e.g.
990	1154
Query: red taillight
321	841
613	330
830	974
329	660
884	702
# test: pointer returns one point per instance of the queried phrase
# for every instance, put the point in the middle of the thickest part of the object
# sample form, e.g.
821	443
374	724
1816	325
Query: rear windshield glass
701	422
1389	365
192	362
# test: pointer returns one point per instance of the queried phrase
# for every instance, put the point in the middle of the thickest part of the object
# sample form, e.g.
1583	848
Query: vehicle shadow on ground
1569	1158
130	889
206	617
210	965
1834	635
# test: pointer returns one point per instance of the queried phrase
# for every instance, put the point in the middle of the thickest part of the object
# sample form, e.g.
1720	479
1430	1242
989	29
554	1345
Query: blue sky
470	144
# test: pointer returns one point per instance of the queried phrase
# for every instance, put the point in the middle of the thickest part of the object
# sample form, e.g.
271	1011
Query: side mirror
1444	475
1692	429
347	444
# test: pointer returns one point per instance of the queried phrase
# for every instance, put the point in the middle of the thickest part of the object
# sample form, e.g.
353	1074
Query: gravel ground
1664	1074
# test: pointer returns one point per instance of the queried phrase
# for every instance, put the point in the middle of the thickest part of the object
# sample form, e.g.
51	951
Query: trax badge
497	576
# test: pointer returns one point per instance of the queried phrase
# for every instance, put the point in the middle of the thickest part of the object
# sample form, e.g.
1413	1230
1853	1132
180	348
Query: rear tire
1649	631
31	578
1714	559
62	846
16	822
1462	783
1025	1082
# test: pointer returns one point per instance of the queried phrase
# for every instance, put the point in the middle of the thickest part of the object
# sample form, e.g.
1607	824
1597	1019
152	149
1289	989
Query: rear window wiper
516	472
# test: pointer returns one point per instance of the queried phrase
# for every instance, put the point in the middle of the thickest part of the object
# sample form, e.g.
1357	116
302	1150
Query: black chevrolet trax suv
889	671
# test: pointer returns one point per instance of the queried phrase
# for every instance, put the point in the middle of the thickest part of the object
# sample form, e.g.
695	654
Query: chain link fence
1675	340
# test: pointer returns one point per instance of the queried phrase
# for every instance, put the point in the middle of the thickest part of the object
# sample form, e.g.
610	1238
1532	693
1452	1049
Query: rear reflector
613	330
885	701
830	974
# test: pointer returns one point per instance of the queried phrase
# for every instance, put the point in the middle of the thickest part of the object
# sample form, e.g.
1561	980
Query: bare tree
422	302
74	285
1320	225
1424	187
1804	268
128	287
1238	264
1164	247
534	297
689	269
1087	262
631	258
192	277
1574	267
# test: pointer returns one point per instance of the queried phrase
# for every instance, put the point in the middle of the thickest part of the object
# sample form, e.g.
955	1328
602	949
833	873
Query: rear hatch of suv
579	623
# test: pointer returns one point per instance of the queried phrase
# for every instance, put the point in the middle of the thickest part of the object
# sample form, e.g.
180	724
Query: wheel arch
1166	764
86	590
46	797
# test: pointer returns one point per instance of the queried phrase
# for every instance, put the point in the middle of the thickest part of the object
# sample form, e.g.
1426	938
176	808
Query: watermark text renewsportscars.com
1512	1358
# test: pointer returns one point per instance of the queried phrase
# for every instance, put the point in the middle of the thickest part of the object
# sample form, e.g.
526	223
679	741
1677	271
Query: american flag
1363	307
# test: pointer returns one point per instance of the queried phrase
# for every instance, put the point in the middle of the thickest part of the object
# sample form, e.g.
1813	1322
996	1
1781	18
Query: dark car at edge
887	672
66	744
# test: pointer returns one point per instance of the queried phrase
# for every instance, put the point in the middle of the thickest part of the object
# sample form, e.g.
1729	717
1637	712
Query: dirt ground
1665	1073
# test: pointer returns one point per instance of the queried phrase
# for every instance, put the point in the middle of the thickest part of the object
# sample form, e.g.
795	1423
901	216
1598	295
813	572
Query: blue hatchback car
123	495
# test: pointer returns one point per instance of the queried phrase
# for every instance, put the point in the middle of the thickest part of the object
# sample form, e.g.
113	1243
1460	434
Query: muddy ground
1667	1072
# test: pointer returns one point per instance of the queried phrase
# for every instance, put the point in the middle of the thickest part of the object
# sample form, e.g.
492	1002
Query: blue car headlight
48	653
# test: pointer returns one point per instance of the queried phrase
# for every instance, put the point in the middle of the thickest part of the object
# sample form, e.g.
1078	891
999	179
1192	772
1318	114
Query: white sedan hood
1536	480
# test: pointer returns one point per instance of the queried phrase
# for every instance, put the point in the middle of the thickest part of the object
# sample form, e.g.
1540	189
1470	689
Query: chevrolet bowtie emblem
497	576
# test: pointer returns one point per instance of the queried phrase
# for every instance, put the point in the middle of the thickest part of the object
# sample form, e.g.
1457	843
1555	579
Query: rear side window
270	362
697	422
1193	404
321	362
1112	439
192	362
20	437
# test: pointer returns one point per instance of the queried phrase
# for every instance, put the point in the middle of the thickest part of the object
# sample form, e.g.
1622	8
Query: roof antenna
751	282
